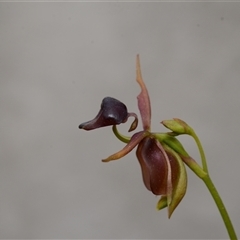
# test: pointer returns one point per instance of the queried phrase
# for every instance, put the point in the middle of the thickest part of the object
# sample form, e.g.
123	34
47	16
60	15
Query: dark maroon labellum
112	112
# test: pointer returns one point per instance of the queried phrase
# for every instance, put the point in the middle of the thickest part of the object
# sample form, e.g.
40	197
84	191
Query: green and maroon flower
163	170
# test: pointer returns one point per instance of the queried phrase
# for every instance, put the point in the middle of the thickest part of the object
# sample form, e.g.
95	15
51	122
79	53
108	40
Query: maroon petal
154	166
143	100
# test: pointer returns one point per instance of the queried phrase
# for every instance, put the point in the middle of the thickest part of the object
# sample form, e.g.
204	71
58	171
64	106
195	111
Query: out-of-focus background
59	60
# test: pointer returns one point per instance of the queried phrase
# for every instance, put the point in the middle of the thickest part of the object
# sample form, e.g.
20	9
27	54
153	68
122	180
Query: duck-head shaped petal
112	112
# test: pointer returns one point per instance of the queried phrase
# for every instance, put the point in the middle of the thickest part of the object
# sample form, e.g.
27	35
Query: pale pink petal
134	141
143	99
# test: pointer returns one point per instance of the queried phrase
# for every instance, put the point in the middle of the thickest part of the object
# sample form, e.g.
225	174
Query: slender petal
143	100
135	139
134	123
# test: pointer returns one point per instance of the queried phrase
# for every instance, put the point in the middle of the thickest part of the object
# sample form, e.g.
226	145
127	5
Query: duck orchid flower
159	155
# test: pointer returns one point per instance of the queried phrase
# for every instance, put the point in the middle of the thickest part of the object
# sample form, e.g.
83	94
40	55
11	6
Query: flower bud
177	126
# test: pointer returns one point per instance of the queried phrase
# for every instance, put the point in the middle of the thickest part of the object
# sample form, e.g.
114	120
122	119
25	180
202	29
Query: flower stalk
213	191
220	205
201	151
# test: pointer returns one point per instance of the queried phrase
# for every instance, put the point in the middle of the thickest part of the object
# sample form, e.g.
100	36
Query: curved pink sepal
134	141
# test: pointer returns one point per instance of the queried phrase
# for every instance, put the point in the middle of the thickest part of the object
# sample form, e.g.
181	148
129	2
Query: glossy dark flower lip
112	112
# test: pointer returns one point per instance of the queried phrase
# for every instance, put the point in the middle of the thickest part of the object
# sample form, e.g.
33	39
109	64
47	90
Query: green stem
212	189
202	154
121	137
227	221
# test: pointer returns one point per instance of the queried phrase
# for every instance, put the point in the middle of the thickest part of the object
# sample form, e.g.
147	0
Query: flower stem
227	221
212	189
121	137
202	154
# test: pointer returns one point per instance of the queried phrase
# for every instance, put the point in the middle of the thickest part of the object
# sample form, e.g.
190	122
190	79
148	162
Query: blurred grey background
59	60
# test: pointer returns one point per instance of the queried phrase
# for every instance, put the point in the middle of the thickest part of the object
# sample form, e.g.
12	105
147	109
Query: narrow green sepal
194	166
179	189
172	142
162	203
